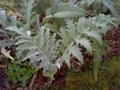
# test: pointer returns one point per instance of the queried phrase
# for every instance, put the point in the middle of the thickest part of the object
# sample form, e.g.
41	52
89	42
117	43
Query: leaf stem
32	81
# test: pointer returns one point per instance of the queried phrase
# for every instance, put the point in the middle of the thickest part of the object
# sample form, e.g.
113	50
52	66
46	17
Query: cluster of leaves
47	46
19	74
86	32
35	47
99	6
41	48
4	22
74	8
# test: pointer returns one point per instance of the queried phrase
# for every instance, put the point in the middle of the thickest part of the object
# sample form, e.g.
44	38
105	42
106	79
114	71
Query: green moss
109	77
83	81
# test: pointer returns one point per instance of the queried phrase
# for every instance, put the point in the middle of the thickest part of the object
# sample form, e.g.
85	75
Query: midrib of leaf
71	44
40	50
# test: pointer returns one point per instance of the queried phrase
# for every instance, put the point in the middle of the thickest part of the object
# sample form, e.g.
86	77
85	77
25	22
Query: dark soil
2	75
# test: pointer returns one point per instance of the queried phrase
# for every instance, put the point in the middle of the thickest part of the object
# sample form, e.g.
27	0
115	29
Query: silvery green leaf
95	35
26	46
15	29
31	54
75	51
66	14
111	6
86	43
3	17
66	58
4	43
68	11
54	4
57	63
13	20
72	2
20	41
68	7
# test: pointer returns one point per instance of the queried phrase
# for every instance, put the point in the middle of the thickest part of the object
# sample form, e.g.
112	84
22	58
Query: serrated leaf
75	51
20	41
65	37
15	29
95	35
66	58
86	43
26	46
41	48
5	43
31	54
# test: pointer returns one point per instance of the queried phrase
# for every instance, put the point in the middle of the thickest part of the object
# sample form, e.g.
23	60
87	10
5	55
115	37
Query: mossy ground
108	79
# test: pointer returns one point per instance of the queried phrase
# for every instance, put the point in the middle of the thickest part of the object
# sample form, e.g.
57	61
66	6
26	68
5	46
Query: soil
2	75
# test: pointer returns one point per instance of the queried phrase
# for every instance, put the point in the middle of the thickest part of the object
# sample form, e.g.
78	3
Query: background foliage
46	33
